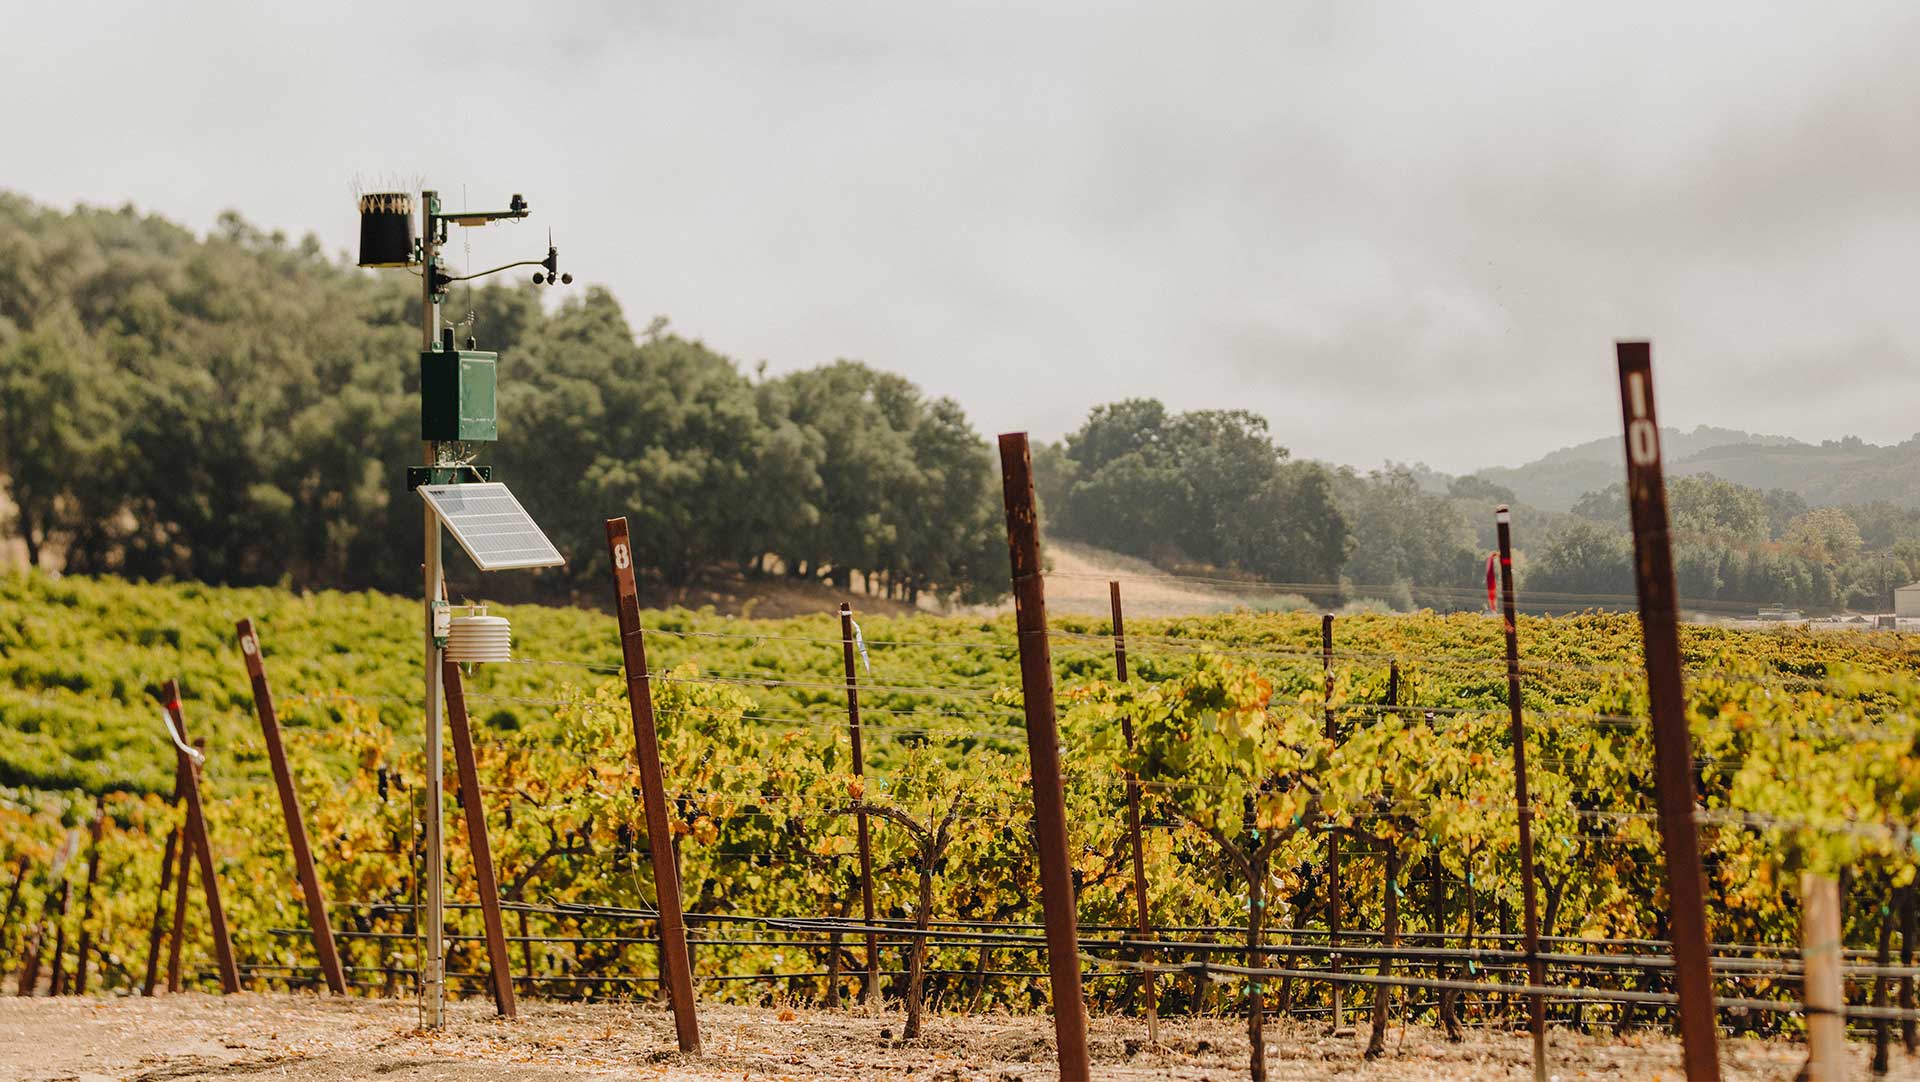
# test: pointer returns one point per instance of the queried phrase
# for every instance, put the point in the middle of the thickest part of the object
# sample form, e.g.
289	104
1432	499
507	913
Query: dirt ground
314	1039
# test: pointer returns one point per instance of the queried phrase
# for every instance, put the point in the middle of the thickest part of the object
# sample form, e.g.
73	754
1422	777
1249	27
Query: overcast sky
1400	231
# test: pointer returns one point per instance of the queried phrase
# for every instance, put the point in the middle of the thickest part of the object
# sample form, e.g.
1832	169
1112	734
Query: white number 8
246	645
620	558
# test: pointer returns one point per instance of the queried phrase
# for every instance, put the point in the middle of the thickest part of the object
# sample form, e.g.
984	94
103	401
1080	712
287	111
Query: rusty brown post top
310	892
1672	745
646	745
1043	750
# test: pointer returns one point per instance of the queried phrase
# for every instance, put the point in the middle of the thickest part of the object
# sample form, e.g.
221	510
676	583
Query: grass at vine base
315	1039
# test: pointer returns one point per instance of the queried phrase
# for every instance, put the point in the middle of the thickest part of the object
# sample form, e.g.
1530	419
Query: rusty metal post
1517	732
202	848
85	947
1043	750
1672	746
323	945
1133	817
158	930
57	984
1333	836
861	830
20	866
646	745
499	963
182	875
30	957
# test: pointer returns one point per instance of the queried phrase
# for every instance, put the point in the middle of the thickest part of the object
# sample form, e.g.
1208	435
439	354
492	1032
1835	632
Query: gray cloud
1400	231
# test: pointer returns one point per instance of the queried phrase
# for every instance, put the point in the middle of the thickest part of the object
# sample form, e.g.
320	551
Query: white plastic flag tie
861	642
191	752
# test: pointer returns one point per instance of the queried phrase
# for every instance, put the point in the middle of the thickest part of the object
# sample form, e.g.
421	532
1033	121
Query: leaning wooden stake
1043	750
84	949
646	744
1517	733
499	964
1672	745
1133	817
862	833
203	850
290	809
1820	961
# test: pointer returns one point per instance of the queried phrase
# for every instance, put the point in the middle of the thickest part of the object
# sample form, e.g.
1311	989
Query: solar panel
491	525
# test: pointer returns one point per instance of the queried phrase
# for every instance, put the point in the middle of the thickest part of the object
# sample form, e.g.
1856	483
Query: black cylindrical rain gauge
386	229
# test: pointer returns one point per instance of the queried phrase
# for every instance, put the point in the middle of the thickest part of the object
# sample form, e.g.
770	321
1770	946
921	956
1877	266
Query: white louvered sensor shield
478	639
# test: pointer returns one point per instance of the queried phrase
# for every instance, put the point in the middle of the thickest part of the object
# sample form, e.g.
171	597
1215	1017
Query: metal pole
499	965
20	866
1517	732
182	875
57	984
197	841
290	808
1043	750
860	814
155	933
1333	837
646	746
1133	815
433	981
85	947
1672	746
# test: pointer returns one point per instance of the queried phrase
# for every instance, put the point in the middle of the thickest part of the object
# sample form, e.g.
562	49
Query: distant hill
1844	471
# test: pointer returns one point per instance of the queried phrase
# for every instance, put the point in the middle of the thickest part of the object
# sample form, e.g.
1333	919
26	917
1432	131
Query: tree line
240	409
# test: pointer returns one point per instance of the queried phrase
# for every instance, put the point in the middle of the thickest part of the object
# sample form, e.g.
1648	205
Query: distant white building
1906	601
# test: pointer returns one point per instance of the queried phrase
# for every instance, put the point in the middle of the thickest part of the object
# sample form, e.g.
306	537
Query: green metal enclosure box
456	395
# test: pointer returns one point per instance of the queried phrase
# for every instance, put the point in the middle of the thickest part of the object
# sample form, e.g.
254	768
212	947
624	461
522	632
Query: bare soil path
312	1039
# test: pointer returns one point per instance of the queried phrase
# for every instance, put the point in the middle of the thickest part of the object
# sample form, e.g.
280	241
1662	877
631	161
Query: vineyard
1326	806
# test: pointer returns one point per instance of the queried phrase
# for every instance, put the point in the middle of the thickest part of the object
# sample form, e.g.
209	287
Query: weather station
457	413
